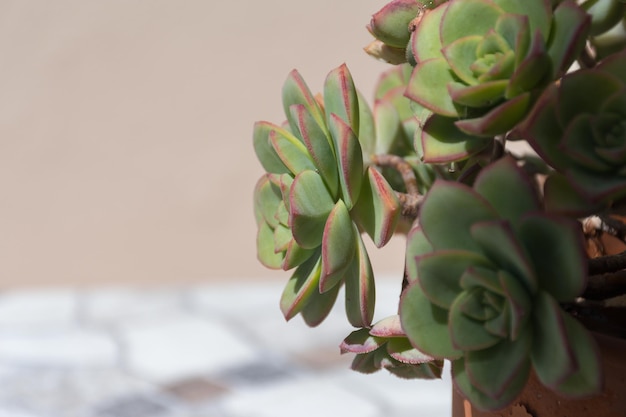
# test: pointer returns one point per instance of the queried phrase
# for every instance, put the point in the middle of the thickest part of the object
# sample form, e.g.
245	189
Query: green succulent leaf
319	306
341	98
560	197
468	334
349	160
448	212
378	208
295	255
442	141
426	325
587	380
499	120
568	36
319	146
494	369
481	400
265	248
367	128
417	245
500	245
497	179
310	204
267	198
467	18
552	355
361	341
388	327
291	151
425	43
360	288
339	245
296	92
439	273
264	150
303	283
401	350
556	248
429	87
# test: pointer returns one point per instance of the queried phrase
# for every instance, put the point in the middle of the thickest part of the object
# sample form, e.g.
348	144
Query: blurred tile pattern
202	351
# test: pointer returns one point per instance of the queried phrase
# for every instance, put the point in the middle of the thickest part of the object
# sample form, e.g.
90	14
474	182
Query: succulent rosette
608	26
385	346
487	270
318	195
480	63
579	128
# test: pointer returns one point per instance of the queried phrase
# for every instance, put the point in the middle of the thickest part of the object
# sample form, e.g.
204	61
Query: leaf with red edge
499	120
296	92
291	151
264	150
319	306
442	141
300	287
339	246
378	209
388	327
361	341
360	288
349	160
341	97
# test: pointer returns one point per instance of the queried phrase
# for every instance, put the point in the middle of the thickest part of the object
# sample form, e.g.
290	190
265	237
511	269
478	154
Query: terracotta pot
538	401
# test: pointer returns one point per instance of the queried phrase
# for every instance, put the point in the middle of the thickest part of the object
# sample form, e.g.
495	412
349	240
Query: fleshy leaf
296	92
319	306
499	243
468	17
425	42
302	284
291	151
428	87
319	146
496	180
552	355
556	248
570	26
361	341
426	325
310	205
378	208
340	97
447	213
442	141
349	160
360	288
498	120
466	333
417	245
338	246
401	350
265	248
388	327
480	400
439	273
264	150
492	370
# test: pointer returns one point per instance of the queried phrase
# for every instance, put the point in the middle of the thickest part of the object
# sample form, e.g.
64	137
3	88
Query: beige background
125	131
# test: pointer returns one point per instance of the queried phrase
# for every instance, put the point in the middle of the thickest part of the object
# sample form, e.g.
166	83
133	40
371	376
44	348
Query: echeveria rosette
480	64
318	195
385	345
487	270
579	128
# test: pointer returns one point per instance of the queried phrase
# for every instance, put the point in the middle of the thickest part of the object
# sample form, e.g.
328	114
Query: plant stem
404	168
603	286
607	264
410	204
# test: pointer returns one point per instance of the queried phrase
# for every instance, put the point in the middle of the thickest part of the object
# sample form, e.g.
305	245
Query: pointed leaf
568	35
552	354
556	247
439	273
361	341
296	92
378	208
341	98
442	141
426	325
264	150
465	332
429	87
310	205
339	245
492	370
291	151
302	284
349	160
319	145
319	306
448	212
498	120
360	288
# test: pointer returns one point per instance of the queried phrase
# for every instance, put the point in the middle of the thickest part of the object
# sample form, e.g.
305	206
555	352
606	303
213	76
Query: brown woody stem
403	167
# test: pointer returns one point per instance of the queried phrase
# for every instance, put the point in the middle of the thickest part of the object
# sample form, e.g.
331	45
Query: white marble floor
217	350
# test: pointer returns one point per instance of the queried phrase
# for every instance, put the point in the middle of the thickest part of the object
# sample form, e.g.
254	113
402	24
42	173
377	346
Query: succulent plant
485	286
316	198
480	62
579	128
385	345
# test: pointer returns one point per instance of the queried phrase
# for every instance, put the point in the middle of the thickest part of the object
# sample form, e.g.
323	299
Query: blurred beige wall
125	131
